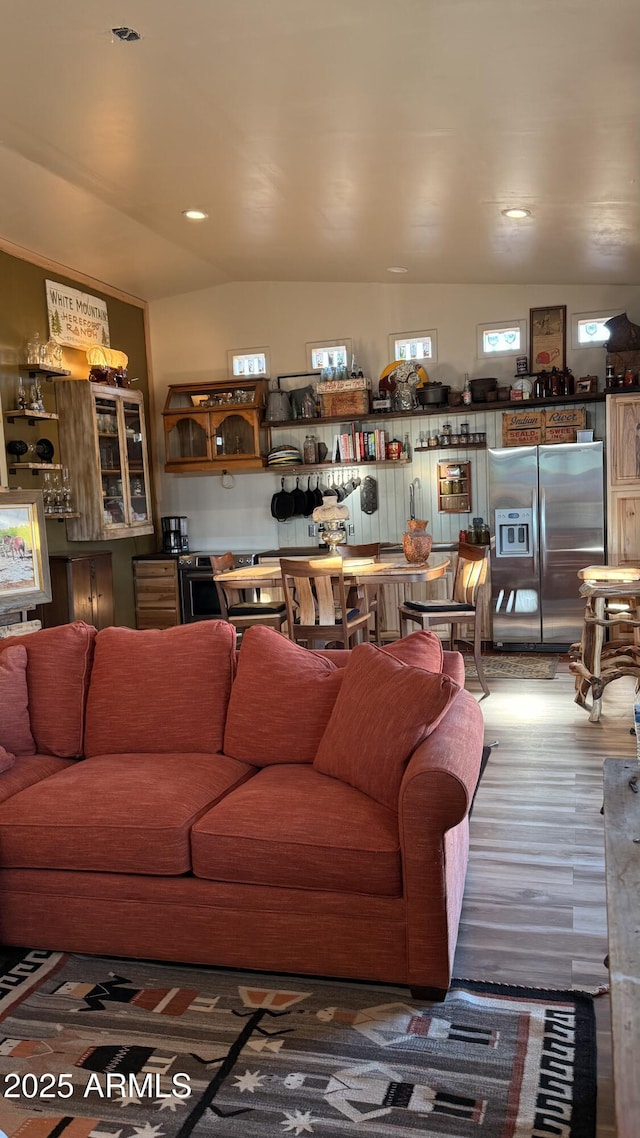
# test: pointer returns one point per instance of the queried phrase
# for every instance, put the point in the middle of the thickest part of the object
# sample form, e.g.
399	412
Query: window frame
235	353
501	326
598	315
425	334
326	345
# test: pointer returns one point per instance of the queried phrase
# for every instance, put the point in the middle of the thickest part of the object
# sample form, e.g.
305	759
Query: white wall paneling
191	334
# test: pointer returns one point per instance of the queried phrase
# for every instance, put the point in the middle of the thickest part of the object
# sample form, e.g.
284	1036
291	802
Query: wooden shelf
60	517
34	466
444	409
456	446
30	416
47	372
320	466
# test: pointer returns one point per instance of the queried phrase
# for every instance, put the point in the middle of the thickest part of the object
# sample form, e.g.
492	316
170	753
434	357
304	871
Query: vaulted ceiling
326	139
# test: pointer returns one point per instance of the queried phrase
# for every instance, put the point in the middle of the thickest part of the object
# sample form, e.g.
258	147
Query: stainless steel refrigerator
547	508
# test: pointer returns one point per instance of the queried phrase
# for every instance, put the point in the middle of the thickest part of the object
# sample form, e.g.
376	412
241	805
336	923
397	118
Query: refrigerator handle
534	528
543	532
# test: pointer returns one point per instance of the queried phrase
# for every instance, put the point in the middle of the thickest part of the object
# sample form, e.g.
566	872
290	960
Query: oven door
198	595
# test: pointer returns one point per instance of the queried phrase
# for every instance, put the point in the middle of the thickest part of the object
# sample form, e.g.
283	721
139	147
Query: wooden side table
610	605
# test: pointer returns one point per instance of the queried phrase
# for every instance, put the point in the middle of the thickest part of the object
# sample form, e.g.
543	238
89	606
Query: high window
501	338
418	346
329	353
588	328
249	362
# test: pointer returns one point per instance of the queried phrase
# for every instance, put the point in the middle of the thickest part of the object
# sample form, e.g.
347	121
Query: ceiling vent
127	35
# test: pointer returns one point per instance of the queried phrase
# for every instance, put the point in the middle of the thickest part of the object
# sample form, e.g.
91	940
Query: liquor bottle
466	395
406	448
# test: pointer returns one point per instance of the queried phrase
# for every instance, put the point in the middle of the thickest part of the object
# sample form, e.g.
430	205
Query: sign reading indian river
75	318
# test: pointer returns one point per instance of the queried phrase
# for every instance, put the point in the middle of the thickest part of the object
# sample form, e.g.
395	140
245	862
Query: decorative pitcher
416	543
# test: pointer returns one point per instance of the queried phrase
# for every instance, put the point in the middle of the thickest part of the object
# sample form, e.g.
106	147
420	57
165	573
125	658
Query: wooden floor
534	910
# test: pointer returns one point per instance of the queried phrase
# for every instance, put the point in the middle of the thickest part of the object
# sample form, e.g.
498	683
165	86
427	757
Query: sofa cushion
119	817
160	690
58	666
384	709
281	700
6	760
292	827
29	769
421	649
15	730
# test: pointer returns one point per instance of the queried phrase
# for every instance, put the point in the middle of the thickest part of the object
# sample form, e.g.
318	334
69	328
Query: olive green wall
23	311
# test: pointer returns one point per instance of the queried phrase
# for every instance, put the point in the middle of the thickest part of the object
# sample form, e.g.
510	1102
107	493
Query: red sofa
184	802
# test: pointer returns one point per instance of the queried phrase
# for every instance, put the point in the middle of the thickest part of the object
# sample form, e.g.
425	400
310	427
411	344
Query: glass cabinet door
234	435
137	474
111	472
187	438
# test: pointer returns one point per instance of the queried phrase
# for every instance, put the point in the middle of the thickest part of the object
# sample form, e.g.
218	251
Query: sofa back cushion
58	667
384	710
421	649
15	730
160	690
281	700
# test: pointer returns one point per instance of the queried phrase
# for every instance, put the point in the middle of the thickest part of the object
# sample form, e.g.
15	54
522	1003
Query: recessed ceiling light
397	269
194	214
516	212
127	35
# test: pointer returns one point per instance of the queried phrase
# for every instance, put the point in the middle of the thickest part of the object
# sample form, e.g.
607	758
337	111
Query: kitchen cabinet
103	442
213	426
157	596
623	478
81	589
454	487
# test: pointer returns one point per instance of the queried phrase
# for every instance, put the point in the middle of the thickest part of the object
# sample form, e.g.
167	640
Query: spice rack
454	487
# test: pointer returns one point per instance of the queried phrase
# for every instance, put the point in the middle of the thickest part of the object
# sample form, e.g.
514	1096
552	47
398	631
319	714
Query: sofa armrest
435	797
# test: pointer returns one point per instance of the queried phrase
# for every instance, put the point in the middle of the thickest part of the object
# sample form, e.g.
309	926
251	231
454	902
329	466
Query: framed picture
548	338
586	385
24	563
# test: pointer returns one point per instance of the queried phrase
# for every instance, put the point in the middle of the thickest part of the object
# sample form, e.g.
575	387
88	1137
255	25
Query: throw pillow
384	710
15	729
421	649
58	667
6	760
281	700
160	690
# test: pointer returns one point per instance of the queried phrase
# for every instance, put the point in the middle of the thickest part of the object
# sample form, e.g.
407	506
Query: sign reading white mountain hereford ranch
76	319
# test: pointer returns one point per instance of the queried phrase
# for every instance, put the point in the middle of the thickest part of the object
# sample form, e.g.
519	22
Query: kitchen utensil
278	405
480	387
317	493
432	393
282	505
369	495
310	499
299	501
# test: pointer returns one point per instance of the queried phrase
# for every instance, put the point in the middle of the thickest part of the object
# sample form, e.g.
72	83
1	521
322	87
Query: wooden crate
344	403
543	425
561	423
521	428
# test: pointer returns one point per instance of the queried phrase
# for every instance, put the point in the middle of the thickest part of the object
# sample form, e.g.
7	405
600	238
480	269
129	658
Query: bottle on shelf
466	394
406	448
540	386
33	350
310	451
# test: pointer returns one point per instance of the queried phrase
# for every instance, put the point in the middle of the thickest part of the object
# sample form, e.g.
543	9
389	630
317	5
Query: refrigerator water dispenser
514	533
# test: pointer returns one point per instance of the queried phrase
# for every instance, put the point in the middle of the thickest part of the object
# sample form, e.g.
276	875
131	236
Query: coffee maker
174	535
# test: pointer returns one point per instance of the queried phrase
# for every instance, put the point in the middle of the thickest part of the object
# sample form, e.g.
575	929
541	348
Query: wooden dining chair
237	608
364	596
464	606
318	612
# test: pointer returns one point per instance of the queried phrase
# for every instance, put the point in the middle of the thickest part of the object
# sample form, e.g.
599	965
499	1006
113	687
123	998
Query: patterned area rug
97	1048
514	667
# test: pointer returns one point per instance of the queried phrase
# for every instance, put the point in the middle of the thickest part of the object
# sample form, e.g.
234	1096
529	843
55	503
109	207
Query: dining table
392	569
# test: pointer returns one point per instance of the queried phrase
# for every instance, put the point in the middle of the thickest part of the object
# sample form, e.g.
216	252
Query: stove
198	594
